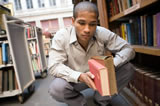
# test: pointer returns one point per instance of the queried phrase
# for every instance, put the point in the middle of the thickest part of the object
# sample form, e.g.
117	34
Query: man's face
85	25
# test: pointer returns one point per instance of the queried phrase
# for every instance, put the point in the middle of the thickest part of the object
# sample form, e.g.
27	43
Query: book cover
5	80
128	26
103	69
157	28
4	53
1	80
1	55
157	90
149	86
11	79
154	31
149	23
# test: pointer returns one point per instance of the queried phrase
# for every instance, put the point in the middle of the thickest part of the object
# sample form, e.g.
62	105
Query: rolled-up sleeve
57	58
122	49
119	47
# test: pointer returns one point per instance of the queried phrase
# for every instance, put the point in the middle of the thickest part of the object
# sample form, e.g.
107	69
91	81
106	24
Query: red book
104	80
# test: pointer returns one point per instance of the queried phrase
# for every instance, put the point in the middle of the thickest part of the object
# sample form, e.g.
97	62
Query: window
18	4
5	1
64	3
33	23
41	3
52	2
29	4
67	21
52	25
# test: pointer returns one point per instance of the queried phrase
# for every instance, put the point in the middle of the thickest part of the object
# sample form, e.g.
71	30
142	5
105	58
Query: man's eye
81	23
94	24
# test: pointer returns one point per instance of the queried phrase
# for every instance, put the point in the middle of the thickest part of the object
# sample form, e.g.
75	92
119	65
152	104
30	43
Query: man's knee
57	88
130	69
126	69
124	74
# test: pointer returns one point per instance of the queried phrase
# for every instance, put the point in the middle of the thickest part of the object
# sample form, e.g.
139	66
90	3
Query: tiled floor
40	97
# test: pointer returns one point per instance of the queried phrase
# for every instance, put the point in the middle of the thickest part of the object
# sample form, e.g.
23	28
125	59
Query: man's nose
87	29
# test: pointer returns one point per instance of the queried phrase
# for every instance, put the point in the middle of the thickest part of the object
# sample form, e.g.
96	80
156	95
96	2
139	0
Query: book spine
157	28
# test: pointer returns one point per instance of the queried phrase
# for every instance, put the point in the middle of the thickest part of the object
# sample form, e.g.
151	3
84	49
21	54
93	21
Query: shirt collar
73	37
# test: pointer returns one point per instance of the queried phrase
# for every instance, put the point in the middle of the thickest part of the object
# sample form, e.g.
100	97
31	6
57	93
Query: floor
40	97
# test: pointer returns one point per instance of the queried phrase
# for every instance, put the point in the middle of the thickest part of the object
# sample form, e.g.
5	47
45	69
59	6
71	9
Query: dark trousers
63	91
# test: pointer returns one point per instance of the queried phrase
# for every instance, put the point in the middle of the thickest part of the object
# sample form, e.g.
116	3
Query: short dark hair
85	6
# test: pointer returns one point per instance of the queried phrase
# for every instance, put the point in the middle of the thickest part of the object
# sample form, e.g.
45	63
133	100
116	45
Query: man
72	47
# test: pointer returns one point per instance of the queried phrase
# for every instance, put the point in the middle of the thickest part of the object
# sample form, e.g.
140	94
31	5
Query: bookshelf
147	50
40	43
115	14
134	8
36	47
15	68
129	12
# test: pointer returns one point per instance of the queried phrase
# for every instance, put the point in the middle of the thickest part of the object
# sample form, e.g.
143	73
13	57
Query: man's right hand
87	78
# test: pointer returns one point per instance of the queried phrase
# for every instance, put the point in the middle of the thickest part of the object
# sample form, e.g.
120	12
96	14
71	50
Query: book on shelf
158	26
1	80
5	80
4	53
140	30
1	54
103	69
11	79
145	84
149	26
148	88
157	90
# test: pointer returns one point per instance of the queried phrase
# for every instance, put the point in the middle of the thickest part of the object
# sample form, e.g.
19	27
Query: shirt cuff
75	75
116	61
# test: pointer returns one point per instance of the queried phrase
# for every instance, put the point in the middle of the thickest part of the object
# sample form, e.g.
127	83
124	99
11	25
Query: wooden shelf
31	39
5	65
147	50
10	93
132	9
3	36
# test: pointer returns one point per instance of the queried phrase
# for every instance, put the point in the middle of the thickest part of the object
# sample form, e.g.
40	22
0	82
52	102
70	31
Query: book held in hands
103	69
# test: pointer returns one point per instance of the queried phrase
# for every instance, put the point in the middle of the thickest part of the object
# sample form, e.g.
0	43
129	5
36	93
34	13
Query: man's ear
73	20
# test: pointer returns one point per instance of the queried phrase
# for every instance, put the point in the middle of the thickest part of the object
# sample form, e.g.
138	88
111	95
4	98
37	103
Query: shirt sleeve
122	50
119	47
57	58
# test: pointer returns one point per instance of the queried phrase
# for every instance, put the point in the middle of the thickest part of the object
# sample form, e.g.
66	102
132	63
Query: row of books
117	6
30	32
146	85
5	56
36	65
7	80
33	48
141	30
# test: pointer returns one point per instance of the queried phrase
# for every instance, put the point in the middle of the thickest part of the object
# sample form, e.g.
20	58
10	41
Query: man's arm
122	50
57	58
118	46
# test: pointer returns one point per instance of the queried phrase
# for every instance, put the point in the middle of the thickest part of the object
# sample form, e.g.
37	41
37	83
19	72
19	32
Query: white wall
37	14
